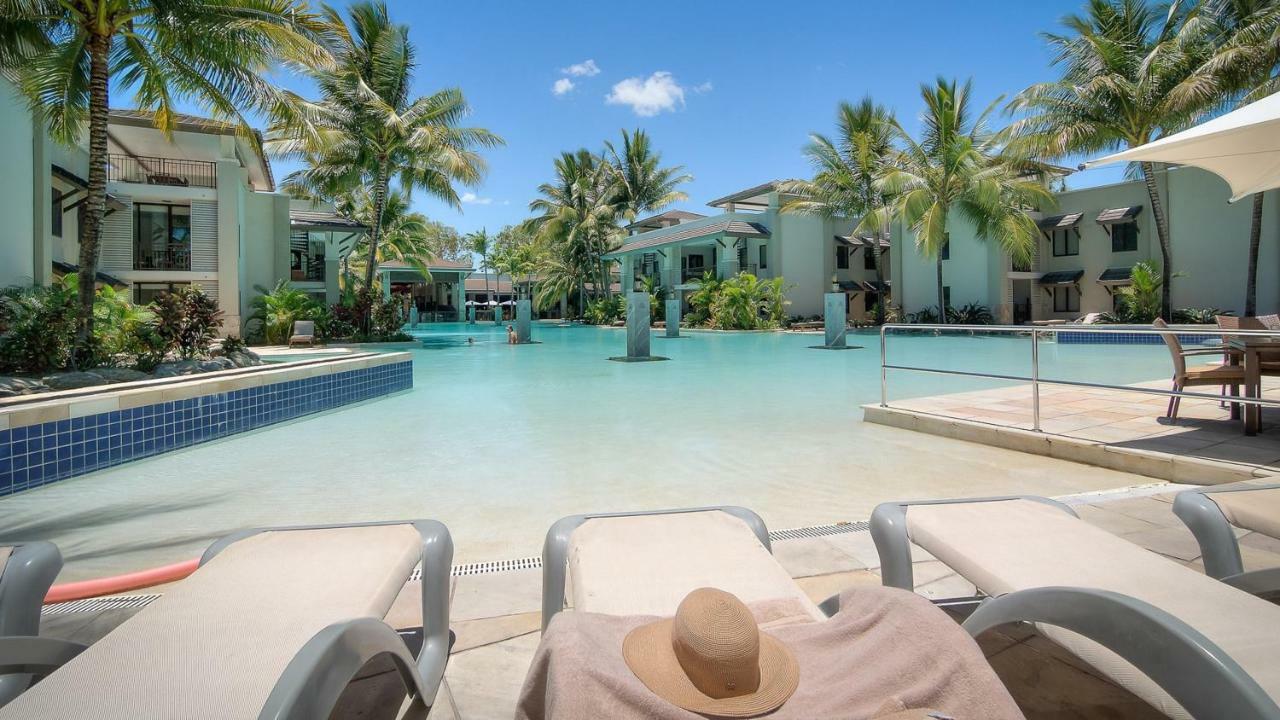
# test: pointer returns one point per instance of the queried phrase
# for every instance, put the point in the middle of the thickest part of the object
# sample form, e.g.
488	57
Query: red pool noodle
121	583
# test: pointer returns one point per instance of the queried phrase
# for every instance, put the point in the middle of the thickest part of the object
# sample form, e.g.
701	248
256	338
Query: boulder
119	375
176	368
73	380
14	386
245	359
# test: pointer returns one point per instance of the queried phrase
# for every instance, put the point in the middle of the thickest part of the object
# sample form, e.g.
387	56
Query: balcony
173	256
160	171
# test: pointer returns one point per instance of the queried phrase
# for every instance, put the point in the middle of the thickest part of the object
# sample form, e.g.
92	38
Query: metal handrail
1035	378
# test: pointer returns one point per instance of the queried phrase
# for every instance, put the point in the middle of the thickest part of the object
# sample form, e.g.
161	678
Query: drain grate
814	531
98	604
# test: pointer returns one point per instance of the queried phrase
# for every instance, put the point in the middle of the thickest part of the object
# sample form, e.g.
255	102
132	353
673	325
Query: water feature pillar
413	316
524	317
471	315
637	325
497	314
834	319
673	315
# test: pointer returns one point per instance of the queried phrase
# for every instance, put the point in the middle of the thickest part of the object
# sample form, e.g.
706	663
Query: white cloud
586	68
648	96
470	198
562	87
705	87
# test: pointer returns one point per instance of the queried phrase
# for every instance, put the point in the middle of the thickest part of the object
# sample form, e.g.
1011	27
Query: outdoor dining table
1252	349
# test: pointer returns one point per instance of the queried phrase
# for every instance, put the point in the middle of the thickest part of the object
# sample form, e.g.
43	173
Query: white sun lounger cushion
215	644
1257	510
5	552
647	564
1011	545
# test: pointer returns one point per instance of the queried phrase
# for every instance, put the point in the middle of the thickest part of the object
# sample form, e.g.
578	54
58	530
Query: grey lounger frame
1190	667
1218	545
28	575
555	549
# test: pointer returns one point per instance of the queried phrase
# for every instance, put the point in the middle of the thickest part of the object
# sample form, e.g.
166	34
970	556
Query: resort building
439	296
199	207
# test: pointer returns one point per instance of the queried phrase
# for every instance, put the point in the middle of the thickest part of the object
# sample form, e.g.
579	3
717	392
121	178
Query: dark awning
853	241
1116	276
1061	277
1115	216
869	286
322	220
61	268
1060	222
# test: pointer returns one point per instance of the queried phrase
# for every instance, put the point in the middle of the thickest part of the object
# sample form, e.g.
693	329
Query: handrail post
1035	380
884	388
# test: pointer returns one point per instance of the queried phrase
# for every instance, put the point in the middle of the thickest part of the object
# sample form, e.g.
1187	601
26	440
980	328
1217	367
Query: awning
867	286
852	241
1061	277
1116	276
1242	147
321	220
1115	216
694	230
1060	222
62	269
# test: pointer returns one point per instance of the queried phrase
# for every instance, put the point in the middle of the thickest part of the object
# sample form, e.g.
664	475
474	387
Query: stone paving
496	619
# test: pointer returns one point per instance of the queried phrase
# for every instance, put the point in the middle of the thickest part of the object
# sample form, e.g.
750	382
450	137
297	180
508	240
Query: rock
119	375
176	368
14	386
245	359
73	380
215	364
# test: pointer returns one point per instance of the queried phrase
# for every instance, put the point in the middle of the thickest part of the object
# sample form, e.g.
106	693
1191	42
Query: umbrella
1242	147
493	303
472	303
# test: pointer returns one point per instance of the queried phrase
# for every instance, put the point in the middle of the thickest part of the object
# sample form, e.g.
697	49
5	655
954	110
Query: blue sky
729	91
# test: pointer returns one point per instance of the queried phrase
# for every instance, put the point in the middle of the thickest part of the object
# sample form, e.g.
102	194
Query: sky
729	91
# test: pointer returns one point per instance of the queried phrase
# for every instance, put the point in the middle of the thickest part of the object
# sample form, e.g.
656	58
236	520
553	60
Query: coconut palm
480	244
641	184
958	171
1122	62
578	216
847	170
66	55
407	236
368	128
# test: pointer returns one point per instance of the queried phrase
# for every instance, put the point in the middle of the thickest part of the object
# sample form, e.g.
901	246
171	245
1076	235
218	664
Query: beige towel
887	650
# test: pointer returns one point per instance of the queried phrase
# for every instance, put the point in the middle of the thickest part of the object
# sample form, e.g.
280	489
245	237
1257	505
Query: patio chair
273	624
1185	643
618	570
1183	377
1211	513
304	331
27	571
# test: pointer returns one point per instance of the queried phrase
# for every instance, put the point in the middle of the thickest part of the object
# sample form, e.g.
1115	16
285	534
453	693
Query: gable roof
690	231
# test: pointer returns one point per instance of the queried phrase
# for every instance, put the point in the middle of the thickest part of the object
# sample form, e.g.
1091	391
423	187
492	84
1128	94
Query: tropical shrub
1140	301
700	299
37	328
276	310
1199	316
387	317
745	302
187	321
923	316
970	314
605	310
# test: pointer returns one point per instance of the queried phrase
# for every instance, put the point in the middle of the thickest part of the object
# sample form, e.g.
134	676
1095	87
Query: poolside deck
496	618
1114	429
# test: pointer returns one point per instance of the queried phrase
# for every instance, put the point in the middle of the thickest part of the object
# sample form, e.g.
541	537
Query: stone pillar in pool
834	318
497	314
628	274
637	325
524	318
673	314
471	314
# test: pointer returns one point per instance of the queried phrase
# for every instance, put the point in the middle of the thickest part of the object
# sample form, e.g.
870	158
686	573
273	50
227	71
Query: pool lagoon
498	441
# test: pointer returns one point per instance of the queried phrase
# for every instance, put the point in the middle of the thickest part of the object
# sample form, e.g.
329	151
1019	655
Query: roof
1061	277
1118	215
435	264
1116	276
863	285
69	269
690	231
1060	222
323	220
750	196
861	241
477	284
656	220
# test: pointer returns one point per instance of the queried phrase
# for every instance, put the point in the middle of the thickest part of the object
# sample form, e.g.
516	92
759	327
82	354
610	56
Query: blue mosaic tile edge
1122	338
38	455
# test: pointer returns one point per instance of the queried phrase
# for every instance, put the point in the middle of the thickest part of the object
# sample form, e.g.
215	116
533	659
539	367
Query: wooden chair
1184	377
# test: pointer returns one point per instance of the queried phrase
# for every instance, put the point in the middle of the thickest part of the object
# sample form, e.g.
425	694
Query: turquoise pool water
499	441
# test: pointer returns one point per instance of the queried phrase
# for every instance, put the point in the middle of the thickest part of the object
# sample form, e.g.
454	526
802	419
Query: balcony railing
173	256
160	171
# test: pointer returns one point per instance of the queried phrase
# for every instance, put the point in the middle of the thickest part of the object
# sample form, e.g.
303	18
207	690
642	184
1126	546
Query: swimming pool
498	441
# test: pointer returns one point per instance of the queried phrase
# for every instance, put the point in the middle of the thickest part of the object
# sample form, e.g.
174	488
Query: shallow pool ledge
46	440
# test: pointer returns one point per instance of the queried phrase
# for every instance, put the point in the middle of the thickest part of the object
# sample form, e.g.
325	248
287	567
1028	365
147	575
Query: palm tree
958	167
1122	61
407	236
479	244
848	169
368	127
578	216
67	54
641	183
1245	35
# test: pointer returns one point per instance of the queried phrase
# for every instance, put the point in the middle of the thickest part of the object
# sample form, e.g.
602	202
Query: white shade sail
1242	147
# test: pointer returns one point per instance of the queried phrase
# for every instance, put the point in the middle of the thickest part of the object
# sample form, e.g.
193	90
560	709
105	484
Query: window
161	237
144	293
1065	243
1066	299
868	258
764	257
694	262
946	295
842	257
1124	237
945	252
742	258
55	221
306	257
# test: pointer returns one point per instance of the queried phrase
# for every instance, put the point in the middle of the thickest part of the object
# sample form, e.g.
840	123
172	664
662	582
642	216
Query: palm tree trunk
880	289
95	204
1255	237
375	233
1162	233
942	296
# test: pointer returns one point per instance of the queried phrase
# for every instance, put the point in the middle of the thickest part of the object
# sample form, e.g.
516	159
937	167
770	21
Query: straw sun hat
712	659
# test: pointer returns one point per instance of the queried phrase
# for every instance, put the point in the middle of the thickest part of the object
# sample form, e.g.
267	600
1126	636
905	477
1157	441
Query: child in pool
511	335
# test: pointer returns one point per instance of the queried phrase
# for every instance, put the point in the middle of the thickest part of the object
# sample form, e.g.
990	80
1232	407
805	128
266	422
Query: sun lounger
1211	512
1185	643
274	624
27	571
304	331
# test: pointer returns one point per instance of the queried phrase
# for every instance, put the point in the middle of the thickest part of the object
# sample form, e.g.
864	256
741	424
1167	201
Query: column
671	268
386	285
834	306
726	259
628	273
637	324
460	295
227	174
42	197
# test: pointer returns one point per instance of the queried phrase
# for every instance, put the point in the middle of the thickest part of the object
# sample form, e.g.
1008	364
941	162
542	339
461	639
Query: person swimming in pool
471	341
511	335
